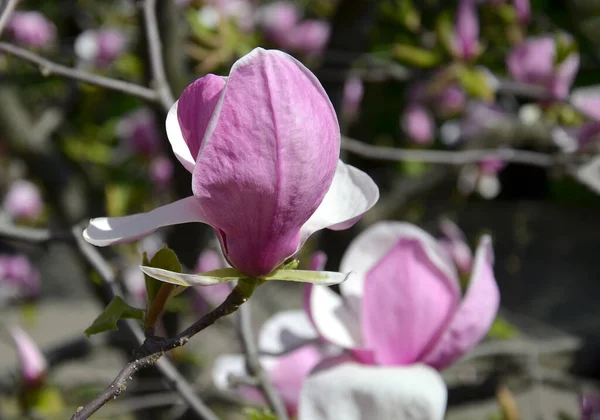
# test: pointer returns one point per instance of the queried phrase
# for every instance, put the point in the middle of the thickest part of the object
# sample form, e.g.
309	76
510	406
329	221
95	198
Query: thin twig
5	16
448	157
253	365
161	85
32	235
48	68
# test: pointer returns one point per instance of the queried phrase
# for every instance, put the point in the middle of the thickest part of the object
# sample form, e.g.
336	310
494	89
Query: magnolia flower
161	171
417	123
209	297
466	40
19	279
308	37
353	94
100	47
590	406
23	200
240	11
450	101
533	62
405	305
456	246
277	19
587	100
31	29
134	282
140	132
32	361
263	148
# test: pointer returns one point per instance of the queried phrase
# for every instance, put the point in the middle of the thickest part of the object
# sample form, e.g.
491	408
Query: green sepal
116	310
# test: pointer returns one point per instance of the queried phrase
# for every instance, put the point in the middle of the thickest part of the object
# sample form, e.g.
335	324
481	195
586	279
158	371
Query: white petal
371	245
286	331
225	366
352	193
335	318
358	392
103	231
325	278
589	174
222	275
180	147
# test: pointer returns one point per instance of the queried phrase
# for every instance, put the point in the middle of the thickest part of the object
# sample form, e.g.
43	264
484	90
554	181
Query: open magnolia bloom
263	148
405	305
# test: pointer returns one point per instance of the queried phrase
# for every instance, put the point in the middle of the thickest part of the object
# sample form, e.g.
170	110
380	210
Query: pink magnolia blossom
450	101
533	62
417	123
140	132
353	94
240	11
522	9
100	47
277	19
318	261
161	171
135	283
456	246
308	37
466	39
206	298
23	200
32	361
19	279
31	29
263	148
405	304
587	100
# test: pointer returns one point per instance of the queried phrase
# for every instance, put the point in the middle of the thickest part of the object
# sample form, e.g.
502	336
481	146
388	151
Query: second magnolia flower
263	148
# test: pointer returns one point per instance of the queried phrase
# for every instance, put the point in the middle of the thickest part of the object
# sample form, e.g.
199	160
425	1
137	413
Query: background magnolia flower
587	100
405	304
450	101
31	29
161	171
205	298
418	125
353	94
263	148
133	279
140	132
308	37
19	279
100	47
23	200
466	39
533	61
277	19
32	361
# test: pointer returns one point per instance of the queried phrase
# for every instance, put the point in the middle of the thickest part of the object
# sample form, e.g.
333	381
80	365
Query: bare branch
5	16
253	365
157	65
48	68
447	157
32	235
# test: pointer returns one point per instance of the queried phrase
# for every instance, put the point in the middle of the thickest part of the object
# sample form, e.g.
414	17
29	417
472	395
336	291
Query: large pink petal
188	118
351	391
104	231
533	61
408	301
267	160
475	315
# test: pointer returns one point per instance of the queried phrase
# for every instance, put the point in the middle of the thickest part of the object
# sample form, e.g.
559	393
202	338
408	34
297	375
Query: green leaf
116	310
416	56
255	414
165	259
502	330
476	83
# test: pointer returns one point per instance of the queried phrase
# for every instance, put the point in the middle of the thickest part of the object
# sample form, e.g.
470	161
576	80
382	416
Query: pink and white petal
333	318
318	260
408	302
290	371
352	194
356	392
286	331
104	231
189	280
267	160
371	245
587	100
188	118
475	315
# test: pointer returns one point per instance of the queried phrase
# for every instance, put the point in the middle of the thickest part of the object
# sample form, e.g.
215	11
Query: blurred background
481	112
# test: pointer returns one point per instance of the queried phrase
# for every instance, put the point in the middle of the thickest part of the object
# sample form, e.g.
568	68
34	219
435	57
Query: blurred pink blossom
23	200
277	19
353	94
135	283
450	101
19	279
318	261
310	36
206	298
100	47
31	29
466	38
161	171
418	124
32	361
140	132
456	246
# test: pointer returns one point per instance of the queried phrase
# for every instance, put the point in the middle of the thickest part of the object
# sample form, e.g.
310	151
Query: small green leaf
476	83
255	414
165	259
116	310
502	330
416	56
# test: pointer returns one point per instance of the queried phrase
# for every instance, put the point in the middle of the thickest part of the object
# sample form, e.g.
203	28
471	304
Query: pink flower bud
18	278
31	29
418	124
466	40
523	10
278	19
308	37
23	200
100	47
32	361
353	94
140	132
161	171
450	101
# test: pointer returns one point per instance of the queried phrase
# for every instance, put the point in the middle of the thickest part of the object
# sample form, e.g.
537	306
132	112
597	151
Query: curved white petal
325	278
334	317
104	231
371	245
188	280
180	147
286	331
358	392
351	194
